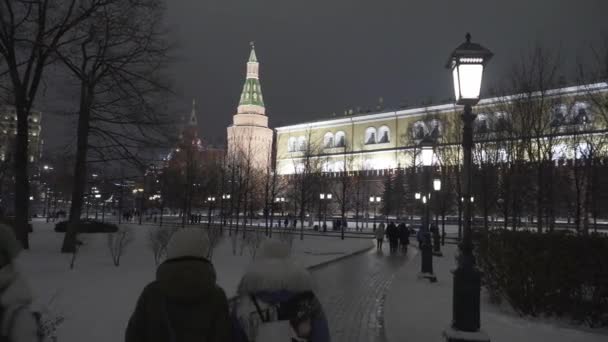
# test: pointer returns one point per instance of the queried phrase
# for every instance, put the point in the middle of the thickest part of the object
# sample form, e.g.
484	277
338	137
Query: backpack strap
258	309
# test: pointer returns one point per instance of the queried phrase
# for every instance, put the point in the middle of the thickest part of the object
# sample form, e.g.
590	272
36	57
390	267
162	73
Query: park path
353	292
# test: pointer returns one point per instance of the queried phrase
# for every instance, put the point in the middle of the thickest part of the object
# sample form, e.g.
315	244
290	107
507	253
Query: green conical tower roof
252	92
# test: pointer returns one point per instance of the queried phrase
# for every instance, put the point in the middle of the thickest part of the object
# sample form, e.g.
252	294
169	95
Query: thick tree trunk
22	185
80	170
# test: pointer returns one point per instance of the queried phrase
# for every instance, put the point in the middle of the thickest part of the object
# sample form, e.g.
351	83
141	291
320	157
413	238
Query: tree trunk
22	185
80	169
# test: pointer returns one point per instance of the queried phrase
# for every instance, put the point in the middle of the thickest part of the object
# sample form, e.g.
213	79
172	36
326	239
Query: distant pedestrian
393	236
184	303
404	236
286	223
380	236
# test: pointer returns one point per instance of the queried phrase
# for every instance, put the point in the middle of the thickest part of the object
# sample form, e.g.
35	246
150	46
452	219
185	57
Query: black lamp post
375	201
467	63
426	156
437	242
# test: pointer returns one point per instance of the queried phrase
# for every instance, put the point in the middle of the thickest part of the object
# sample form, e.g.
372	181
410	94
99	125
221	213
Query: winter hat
9	246
188	242
274	249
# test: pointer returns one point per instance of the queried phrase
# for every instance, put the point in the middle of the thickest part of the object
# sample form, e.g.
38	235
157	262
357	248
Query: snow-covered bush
251	242
118	243
286	235
158	238
214	234
552	274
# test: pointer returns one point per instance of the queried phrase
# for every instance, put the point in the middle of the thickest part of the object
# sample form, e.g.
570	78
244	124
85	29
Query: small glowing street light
417	195
424	199
437	184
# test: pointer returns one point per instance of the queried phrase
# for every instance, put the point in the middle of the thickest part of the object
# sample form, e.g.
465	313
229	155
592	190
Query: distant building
8	132
249	138
376	142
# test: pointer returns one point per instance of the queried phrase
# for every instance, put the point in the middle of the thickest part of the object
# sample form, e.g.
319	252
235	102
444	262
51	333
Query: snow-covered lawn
96	298
417	310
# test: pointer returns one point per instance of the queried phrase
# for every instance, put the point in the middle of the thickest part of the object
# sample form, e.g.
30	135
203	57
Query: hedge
88	226
553	274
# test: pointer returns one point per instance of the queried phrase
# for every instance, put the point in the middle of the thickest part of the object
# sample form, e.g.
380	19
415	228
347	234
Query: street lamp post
324	197
437	188
467	63
211	201
426	156
375	201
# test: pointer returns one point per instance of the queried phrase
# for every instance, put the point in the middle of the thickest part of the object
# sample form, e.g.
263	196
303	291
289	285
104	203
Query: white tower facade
249	137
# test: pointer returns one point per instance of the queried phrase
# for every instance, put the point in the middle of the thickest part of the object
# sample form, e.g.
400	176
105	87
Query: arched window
370	135
435	129
558	117
328	140
384	135
559	151
481	124
580	113
419	130
292	144
502	122
302	144
340	139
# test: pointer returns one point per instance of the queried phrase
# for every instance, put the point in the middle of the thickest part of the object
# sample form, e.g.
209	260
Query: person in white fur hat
17	322
276	300
184	303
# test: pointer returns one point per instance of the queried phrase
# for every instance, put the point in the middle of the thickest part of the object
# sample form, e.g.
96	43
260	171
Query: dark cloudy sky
324	56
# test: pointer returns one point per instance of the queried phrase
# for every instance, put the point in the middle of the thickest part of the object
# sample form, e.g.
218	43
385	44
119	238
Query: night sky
324	56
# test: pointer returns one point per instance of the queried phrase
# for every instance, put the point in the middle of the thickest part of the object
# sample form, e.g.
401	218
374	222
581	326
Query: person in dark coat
184	303
17	322
393	236
276	287
404	236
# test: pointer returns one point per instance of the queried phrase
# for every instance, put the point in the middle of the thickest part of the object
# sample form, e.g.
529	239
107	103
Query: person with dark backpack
184	303
17	321
276	301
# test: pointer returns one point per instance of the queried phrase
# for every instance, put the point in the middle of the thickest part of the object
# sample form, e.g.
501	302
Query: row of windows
14	118
338	140
377	136
254	96
253	87
14	131
484	123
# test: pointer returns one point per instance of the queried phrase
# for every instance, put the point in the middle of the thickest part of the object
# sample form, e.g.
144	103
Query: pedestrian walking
404	236
184	303
276	301
393	236
380	236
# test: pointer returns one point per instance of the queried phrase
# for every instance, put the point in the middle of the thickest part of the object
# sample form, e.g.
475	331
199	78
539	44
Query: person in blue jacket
275	289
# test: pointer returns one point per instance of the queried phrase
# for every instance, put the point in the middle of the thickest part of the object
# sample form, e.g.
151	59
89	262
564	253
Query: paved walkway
353	290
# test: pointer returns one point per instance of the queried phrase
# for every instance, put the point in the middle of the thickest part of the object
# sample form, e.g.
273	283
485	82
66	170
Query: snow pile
96	298
417	310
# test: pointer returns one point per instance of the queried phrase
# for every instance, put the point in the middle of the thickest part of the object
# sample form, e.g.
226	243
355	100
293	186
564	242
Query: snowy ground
417	310
97	298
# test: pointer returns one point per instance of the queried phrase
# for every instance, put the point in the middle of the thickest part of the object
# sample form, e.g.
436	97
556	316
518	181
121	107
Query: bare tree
31	31
118	243
158	240
304	182
532	111
116	55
